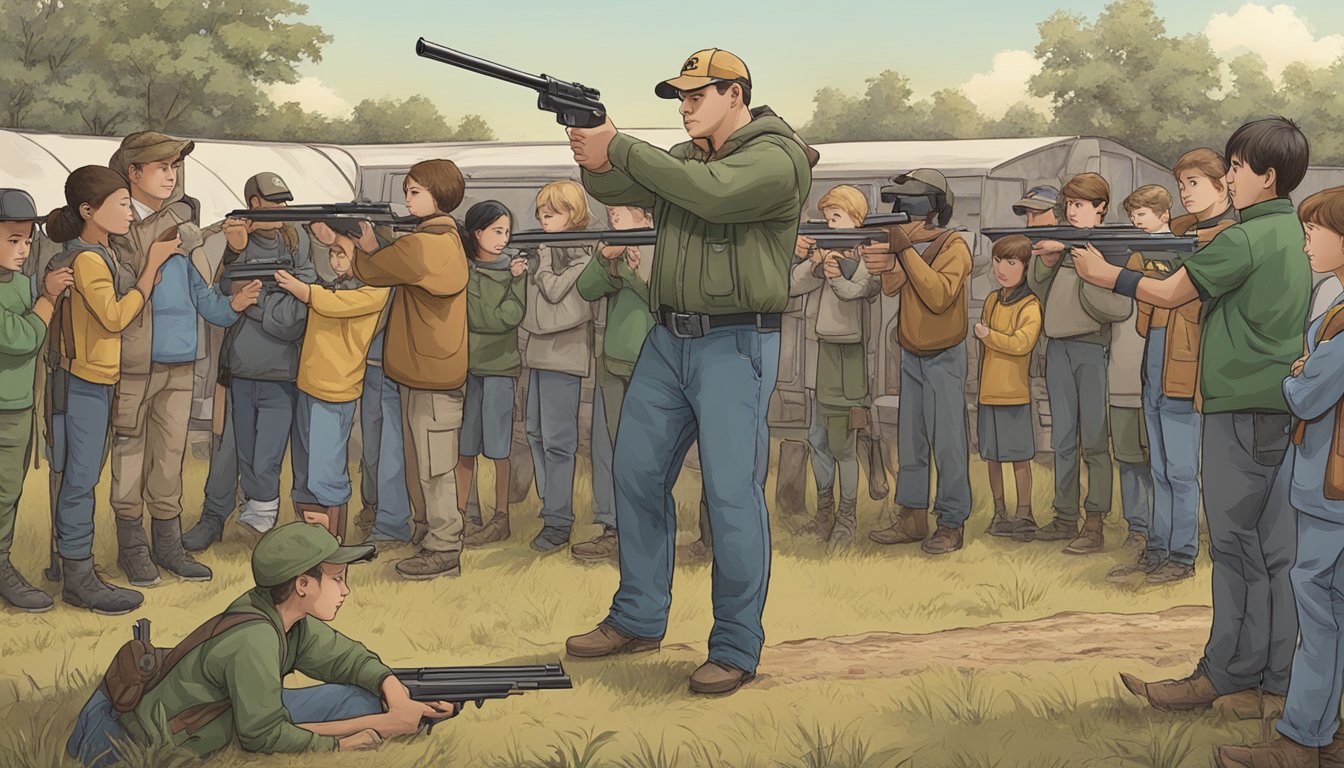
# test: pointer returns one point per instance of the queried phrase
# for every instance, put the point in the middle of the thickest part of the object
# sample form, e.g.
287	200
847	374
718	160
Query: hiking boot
1146	563
1170	572
551	538
845	523
1056	530
133	554
1090	539
825	519
1135	541
83	588
1002	525
604	547
495	530
608	641
1250	704
1193	692
1282	752
169	554
365	522
19	593
427	565
943	541
208	530
911	525
713	678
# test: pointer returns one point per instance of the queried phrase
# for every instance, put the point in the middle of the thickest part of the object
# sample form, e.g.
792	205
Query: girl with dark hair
496	301
98	205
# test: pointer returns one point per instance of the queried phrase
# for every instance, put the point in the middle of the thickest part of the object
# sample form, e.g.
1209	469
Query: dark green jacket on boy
496	301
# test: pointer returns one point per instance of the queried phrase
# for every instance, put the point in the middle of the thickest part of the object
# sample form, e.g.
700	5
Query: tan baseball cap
702	68
267	186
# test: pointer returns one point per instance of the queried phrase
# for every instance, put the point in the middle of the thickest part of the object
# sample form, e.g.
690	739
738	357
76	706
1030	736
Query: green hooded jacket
496	301
727	223
246	665
628	316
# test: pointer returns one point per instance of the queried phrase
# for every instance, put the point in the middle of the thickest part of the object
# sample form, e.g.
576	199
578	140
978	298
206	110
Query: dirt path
1173	637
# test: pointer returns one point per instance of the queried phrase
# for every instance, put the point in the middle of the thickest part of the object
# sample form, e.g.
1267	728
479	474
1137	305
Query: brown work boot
715	678
607	641
1282	752
1169	573
1250	704
1193	692
824	522
1002	525
911	525
1055	530
604	547
943	541
430	565
1091	539
1135	542
1146	563
495	530
364	523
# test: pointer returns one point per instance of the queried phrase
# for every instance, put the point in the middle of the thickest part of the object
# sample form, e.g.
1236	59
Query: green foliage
1122	76
198	68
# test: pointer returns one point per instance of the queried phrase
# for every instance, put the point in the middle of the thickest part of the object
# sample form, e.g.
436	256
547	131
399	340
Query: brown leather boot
944	541
364	522
1194	692
1282	752
1091	539
313	514
912	525
825	520
1250	704
713	678
495	530
607	641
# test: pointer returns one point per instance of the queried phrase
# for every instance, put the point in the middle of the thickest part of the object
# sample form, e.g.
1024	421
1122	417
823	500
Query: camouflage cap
148	147
292	549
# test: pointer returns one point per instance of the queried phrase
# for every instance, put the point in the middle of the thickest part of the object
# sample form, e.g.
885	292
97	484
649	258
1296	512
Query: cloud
313	94
1005	84
1278	34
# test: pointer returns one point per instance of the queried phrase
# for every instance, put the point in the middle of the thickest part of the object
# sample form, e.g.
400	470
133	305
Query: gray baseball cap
267	186
17	205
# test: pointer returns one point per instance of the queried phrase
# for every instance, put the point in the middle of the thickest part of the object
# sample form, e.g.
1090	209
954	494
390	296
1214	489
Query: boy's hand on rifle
323	233
296	287
1048	251
358	742
877	258
612	252
804	247
56	281
245	295
831	267
367	241
1093	267
590	146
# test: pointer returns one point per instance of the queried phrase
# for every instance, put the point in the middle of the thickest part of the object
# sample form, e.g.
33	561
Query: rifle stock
1115	242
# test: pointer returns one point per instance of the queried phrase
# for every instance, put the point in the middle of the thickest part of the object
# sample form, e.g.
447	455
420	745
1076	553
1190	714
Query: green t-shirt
1255	283
21	335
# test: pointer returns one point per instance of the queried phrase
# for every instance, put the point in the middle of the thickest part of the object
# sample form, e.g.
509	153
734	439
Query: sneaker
550	539
1169	573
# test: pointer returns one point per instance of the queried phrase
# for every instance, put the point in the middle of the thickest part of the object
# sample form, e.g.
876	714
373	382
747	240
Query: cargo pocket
128	399
853	377
442	451
716	267
1269	437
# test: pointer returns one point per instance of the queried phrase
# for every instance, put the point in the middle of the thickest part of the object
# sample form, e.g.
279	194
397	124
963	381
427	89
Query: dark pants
263	416
221	484
714	389
1252	539
80	442
96	727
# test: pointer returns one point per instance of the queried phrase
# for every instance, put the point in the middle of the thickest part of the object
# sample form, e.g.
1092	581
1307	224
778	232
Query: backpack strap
207	631
935	246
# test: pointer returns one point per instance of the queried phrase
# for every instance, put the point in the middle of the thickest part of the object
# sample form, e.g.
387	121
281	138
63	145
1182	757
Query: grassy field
512	605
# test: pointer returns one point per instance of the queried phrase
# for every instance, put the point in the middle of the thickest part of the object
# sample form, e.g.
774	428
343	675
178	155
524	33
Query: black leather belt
693	325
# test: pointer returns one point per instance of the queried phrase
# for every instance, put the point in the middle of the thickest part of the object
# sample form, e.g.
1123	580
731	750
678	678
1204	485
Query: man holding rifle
727	204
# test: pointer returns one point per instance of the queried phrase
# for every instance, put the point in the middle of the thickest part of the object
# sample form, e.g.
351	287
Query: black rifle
247	271
575	105
843	238
343	218
460	685
825	238
1115	242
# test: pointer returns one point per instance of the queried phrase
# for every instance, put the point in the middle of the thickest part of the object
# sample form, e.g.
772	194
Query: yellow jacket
97	318
1014	326
341	326
932	287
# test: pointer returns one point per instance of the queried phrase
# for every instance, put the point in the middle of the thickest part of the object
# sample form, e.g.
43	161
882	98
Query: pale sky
792	48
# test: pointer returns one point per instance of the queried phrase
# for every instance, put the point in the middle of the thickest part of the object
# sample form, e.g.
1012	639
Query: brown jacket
1180	363
932	287
426	342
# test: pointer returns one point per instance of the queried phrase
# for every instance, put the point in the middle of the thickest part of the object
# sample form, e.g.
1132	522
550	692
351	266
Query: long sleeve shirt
21	336
341	325
98	317
180	296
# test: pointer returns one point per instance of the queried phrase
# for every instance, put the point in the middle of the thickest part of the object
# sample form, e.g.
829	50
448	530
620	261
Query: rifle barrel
445	55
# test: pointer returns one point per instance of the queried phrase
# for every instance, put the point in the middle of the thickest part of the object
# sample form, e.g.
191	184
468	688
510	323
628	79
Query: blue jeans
320	452
263	417
553	433
96	726
80	441
1311	715
714	389
931	416
1173	446
221	484
382	467
604	487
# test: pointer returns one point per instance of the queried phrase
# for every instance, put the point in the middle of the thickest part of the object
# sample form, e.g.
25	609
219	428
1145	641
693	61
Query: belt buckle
687	325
